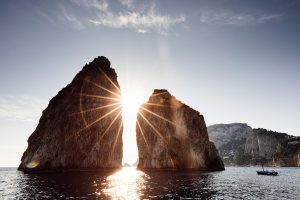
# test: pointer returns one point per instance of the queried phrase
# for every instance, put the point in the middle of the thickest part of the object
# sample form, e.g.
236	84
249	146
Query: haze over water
129	183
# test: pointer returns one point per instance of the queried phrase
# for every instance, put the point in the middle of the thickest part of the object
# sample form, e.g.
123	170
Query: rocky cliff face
222	134
82	127
172	135
228	138
278	149
238	144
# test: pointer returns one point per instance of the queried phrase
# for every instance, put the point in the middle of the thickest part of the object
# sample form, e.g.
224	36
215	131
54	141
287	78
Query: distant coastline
240	145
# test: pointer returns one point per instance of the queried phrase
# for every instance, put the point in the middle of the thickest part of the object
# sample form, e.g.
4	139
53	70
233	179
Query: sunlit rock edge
171	135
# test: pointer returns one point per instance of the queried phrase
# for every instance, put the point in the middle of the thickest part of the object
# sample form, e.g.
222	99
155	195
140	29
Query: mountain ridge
277	149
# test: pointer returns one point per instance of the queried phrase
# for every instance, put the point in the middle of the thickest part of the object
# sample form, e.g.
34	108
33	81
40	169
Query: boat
266	172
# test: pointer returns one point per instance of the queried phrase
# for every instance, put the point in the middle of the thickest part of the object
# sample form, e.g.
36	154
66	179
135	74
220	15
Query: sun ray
100	97
157	94
80	104
94	109
159	105
101	87
107	114
117	137
106	130
109	79
158	133
153	113
89	125
142	132
149	123
110	125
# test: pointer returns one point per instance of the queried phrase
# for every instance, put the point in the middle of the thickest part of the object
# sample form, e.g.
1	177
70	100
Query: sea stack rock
171	135
81	129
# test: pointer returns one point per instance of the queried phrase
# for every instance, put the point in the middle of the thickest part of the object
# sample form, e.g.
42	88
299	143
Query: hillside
239	144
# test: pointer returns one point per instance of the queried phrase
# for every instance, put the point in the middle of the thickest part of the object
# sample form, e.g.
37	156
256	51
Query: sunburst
157	115
112	106
117	136
142	132
95	109
142	113
152	126
103	88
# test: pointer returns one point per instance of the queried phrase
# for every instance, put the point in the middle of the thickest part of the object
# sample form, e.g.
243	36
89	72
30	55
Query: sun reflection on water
128	183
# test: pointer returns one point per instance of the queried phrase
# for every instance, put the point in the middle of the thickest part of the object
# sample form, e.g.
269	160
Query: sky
232	60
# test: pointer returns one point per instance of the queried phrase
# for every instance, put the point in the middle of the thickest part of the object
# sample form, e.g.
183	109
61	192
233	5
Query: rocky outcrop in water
238	144
228	138
171	135
277	149
81	128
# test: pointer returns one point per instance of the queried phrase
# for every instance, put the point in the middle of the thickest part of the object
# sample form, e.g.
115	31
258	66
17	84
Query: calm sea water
129	183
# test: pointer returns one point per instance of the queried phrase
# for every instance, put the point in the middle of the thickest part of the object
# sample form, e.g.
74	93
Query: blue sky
234	61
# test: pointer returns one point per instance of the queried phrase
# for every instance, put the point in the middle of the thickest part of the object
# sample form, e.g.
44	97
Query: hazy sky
234	61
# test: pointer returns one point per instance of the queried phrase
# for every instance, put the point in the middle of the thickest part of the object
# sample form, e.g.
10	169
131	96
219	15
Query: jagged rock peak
99	64
222	134
162	93
172	135
163	97
101	61
81	128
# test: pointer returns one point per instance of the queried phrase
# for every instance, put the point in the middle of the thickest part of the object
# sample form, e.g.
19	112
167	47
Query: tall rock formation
172	135
228	138
81	128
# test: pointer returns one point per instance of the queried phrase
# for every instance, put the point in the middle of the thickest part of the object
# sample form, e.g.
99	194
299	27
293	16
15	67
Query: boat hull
267	173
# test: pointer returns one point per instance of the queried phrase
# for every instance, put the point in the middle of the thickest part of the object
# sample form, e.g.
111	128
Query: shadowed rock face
82	127
172	135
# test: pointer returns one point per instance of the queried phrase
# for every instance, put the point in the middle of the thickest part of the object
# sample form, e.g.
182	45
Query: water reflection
129	183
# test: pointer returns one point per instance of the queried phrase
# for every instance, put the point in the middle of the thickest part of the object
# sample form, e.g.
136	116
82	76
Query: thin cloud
21	107
142	31
139	16
138	21
45	16
141	20
101	5
70	18
127	3
236	19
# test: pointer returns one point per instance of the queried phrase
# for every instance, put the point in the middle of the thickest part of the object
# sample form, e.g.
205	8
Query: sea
130	183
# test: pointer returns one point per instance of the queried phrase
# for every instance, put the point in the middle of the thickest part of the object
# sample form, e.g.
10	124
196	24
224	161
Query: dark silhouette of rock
171	135
81	129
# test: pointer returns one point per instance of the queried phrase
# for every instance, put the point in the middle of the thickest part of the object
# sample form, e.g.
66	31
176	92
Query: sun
132	98
130	103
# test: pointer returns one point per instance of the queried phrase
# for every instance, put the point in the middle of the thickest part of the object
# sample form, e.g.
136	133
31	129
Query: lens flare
33	164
